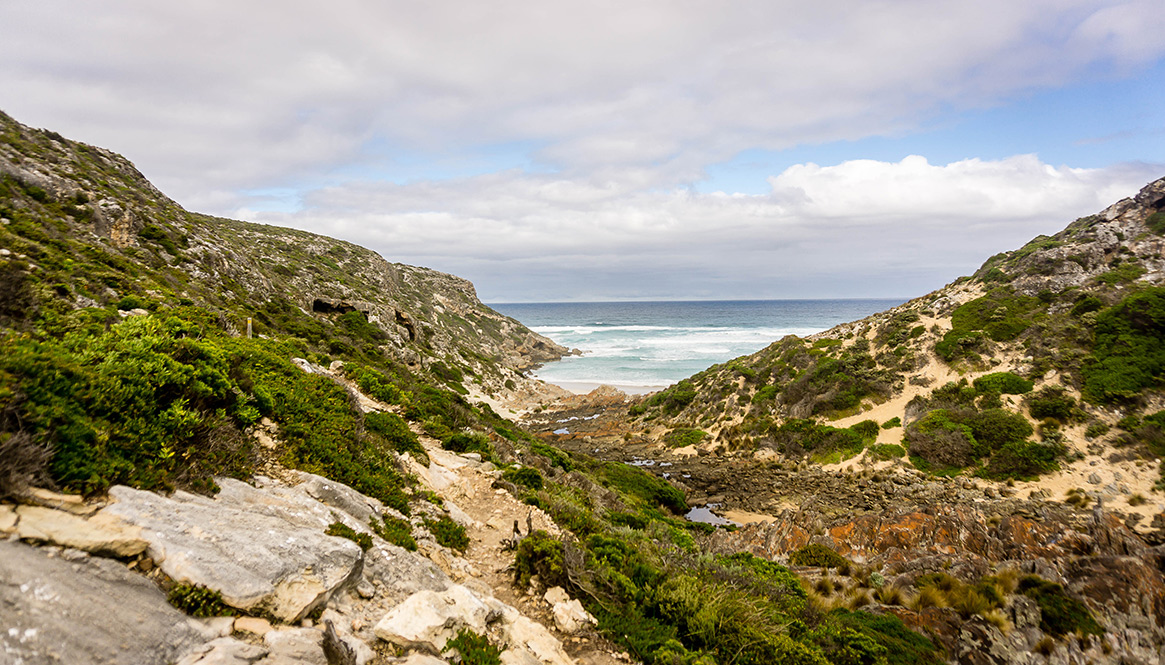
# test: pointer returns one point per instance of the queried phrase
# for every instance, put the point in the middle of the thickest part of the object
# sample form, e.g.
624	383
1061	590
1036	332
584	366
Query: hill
1012	420
331	483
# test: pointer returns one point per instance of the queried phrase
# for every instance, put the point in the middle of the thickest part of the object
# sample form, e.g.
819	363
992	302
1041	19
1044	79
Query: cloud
214	98
859	228
588	123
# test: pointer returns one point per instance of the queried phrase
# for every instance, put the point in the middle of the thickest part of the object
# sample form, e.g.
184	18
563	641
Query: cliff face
83	227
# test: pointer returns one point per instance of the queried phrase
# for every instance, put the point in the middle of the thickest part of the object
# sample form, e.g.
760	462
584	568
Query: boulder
570	617
520	633
427	620
263	552
89	611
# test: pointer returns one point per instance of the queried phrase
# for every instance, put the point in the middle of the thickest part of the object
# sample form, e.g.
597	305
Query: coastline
585	387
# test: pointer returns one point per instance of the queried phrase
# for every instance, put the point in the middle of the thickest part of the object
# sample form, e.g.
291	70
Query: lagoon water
645	346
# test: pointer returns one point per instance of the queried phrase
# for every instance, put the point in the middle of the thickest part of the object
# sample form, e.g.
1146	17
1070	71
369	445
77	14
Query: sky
648	150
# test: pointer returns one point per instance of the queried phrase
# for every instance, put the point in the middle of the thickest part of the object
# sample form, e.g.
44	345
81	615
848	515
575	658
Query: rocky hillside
963	462
1046	353
81	227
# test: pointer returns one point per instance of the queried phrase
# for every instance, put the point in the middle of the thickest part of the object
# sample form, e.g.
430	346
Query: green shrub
395	530
375	384
892	423
638	484
344	531
448	533
995	427
1085	304
527	477
1060	614
1128	354
764	394
1001	315
1052	402
887	451
1156	222
903	646
469	442
541	554
396	432
1023	460
198	601
817	555
557	457
681	437
1095	429
866	429
474	649
1124	273
729	623
1004	383
942	441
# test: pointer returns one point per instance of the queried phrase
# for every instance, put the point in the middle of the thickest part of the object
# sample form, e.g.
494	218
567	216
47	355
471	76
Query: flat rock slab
103	534
91	611
264	552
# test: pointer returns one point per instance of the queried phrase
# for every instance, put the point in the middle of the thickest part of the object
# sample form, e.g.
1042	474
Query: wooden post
248	327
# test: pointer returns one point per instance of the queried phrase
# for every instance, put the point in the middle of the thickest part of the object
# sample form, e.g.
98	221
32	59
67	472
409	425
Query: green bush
892	423
527	477
541	554
396	531
448	533
866	429
1156	222
1052	402
1023	460
942	441
474	649
557	457
344	531
1004	383
1001	315
1128	354
396	433
887	451
469	442
729	623
198	601
638	484
1060	614
681	437
375	384
995	427
903	646
817	555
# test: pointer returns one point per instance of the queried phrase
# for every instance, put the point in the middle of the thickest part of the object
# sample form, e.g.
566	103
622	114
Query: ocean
645	346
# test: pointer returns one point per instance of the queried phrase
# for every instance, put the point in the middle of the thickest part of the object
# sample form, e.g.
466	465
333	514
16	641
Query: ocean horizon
643	346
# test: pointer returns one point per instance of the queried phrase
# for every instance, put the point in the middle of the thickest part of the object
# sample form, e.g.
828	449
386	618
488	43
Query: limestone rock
570	617
428	619
225	651
86	612
253	547
294	646
520	633
7	519
101	534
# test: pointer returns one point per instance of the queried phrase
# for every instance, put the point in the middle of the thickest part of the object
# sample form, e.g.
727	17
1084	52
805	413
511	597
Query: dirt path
466	486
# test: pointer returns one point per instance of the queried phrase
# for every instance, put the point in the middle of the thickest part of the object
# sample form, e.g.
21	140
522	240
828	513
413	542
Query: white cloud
216	96
617	107
860	228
